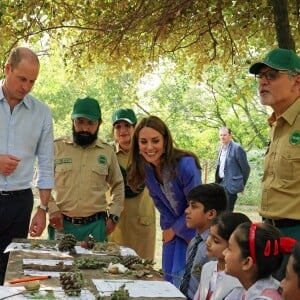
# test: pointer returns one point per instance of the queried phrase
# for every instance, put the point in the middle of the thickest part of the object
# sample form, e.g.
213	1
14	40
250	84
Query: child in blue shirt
206	201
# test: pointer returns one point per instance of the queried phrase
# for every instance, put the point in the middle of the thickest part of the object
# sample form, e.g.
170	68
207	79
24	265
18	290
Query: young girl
255	251
214	283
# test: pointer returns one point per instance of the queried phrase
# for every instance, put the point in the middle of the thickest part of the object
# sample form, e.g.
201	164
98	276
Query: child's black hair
227	223
210	195
266	240
296	265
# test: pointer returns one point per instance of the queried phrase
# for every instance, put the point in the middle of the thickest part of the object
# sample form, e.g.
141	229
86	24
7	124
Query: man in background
278	77
26	135
232	167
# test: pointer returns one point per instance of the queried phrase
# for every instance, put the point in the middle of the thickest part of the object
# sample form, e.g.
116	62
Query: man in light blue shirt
26	136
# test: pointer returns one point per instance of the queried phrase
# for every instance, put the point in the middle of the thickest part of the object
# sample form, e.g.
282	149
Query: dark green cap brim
278	59
90	117
124	114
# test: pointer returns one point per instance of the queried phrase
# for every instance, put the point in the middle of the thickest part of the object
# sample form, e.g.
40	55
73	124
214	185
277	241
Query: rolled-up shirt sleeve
45	154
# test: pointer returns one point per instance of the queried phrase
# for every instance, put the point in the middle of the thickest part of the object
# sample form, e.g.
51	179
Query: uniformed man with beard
85	169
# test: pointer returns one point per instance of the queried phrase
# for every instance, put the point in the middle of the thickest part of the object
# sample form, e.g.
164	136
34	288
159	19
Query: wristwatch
43	207
114	218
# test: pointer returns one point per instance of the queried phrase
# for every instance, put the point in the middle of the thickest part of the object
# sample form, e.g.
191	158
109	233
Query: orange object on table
31	278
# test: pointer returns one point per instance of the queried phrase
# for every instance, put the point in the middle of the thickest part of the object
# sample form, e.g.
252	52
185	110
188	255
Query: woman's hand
168	235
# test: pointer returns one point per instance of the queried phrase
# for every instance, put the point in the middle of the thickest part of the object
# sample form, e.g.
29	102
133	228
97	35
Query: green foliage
200	52
130	34
252	194
60	90
193	111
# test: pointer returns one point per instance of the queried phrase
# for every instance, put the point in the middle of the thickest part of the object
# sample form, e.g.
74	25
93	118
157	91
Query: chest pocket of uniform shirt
98	177
63	175
289	167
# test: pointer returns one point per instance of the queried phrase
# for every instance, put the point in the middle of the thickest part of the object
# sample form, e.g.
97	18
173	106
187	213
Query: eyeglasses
269	75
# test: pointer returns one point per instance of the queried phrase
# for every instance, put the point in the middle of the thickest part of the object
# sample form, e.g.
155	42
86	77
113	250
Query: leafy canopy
132	34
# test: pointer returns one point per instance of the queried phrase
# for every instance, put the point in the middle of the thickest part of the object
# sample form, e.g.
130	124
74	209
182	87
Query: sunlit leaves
132	33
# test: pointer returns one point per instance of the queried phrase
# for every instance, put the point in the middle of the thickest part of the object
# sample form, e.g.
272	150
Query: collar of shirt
25	101
216	276
289	115
204	234
257	288
1	90
118	148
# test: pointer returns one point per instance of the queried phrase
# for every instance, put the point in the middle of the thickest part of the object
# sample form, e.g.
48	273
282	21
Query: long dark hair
169	159
296	265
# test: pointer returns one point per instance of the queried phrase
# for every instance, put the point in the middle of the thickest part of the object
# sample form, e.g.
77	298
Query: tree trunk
282	25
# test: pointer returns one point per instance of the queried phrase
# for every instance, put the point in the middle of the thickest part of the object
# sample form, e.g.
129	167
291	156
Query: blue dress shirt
27	132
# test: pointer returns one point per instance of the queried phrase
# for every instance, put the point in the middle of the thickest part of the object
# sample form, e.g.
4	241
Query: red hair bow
286	245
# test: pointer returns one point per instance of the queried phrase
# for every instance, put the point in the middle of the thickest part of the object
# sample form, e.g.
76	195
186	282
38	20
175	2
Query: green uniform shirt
281	179
82	177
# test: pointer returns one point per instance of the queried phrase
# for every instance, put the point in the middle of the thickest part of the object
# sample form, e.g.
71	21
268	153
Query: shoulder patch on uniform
295	138
102	160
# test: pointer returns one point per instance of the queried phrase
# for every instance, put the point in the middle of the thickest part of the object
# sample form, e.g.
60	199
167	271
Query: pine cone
90	242
71	283
89	263
67	243
129	260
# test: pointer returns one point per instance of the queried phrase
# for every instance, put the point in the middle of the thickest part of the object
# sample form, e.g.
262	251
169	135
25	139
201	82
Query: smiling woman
169	173
151	145
136	227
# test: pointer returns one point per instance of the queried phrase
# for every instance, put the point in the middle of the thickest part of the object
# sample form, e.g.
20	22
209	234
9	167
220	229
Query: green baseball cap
86	108
278	59
124	114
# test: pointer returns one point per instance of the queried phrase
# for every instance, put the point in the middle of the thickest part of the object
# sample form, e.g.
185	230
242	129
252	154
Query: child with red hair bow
254	253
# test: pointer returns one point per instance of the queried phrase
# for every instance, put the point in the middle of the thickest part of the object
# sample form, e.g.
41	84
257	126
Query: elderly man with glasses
278	78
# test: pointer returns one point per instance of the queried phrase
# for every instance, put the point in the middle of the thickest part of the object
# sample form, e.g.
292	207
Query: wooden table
15	270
